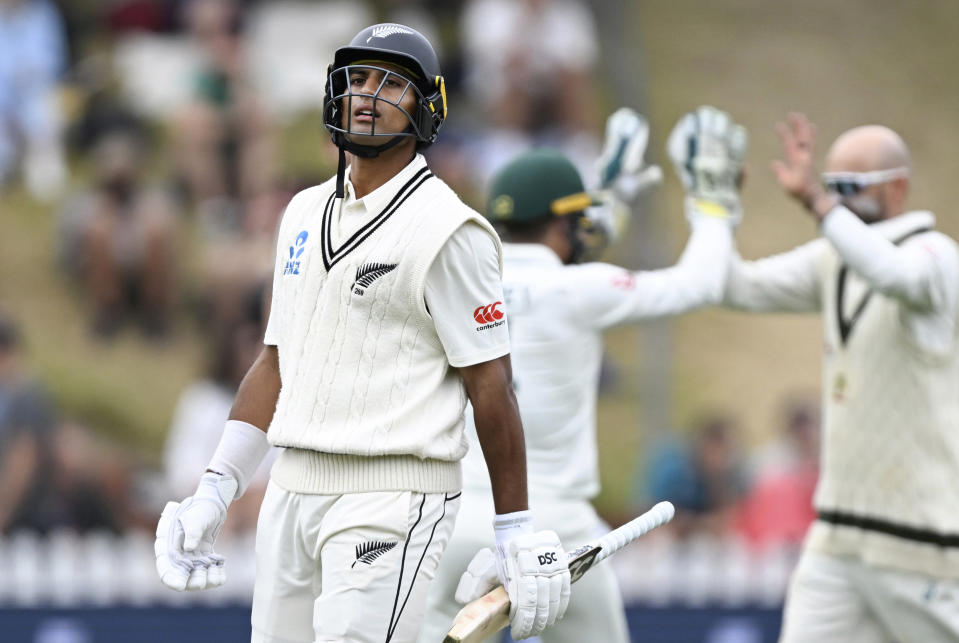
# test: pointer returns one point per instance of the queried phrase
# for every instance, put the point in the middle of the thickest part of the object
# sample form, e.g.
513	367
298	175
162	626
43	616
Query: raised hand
796	173
621	164
708	149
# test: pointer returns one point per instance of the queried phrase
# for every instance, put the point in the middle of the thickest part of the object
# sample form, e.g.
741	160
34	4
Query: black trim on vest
330	255
846	325
890	528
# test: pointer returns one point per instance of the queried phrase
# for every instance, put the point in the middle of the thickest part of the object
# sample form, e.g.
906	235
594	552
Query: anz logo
292	266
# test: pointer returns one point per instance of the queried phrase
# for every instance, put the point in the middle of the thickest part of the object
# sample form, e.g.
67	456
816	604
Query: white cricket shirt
557	315
888	491
465	274
370	398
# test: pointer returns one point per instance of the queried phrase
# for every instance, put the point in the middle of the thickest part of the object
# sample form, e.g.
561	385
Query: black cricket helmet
405	48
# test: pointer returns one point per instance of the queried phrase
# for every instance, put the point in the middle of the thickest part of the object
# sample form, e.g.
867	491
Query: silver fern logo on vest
367	274
292	266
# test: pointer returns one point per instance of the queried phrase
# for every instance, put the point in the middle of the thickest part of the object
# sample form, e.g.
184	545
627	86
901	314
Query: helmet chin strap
364	151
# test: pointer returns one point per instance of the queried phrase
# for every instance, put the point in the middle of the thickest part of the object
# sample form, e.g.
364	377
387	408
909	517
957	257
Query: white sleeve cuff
241	450
509	526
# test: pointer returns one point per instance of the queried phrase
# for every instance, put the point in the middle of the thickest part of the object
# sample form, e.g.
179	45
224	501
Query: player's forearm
699	277
782	283
256	398
886	267
500	431
501	436
695	281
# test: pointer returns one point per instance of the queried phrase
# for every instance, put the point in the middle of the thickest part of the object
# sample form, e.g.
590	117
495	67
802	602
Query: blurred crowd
156	133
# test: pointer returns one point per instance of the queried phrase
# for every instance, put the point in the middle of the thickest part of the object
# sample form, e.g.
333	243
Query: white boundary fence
67	570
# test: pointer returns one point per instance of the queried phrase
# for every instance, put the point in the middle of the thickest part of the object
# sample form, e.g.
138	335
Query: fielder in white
558	311
372	351
881	563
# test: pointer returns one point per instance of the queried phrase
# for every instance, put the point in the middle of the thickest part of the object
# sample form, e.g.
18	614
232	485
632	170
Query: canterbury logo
368	552
387	30
368	273
488	314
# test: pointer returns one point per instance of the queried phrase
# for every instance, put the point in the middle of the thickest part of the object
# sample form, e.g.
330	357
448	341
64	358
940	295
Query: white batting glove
621	165
708	151
185	559
537	581
532	567
479	579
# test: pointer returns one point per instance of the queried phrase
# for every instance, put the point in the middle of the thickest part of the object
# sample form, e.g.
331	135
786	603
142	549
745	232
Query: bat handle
618	538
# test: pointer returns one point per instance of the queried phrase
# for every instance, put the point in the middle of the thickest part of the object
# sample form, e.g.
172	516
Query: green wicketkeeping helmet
536	184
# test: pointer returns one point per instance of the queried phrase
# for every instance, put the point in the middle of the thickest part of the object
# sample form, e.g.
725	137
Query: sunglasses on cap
850	183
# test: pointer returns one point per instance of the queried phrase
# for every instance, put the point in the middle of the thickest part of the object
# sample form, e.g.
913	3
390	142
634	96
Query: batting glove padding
708	150
480	578
536	578
185	534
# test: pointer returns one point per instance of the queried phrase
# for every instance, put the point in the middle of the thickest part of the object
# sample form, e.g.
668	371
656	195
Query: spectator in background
779	509
224	147
204	406
53	474
32	57
529	65
235	265
706	482
119	236
27	418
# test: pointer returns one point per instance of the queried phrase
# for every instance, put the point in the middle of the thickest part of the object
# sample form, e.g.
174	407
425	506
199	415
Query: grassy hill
843	63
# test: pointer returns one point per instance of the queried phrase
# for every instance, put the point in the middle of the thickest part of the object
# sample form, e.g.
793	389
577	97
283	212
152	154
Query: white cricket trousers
835	599
350	568
595	613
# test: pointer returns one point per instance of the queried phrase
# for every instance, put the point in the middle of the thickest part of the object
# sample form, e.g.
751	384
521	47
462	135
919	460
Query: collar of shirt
378	198
904	224
530	254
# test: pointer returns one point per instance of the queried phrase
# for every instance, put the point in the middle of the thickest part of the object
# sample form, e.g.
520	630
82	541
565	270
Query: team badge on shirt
292	266
489	316
367	274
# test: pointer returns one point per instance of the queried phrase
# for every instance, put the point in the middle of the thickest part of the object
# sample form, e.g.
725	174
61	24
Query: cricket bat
490	613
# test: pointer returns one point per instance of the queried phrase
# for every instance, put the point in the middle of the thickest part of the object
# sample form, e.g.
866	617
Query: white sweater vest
888	492
368	400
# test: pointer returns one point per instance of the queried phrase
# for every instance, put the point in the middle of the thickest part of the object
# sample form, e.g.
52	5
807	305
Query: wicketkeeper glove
708	151
623	175
620	165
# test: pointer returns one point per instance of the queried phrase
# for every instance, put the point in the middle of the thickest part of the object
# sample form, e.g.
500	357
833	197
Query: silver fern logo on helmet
387	30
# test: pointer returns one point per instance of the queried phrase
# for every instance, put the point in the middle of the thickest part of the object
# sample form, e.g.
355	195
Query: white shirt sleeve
607	295
924	274
464	295
271	336
787	282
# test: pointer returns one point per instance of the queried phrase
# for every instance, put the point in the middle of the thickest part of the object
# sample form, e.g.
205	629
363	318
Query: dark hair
527	231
